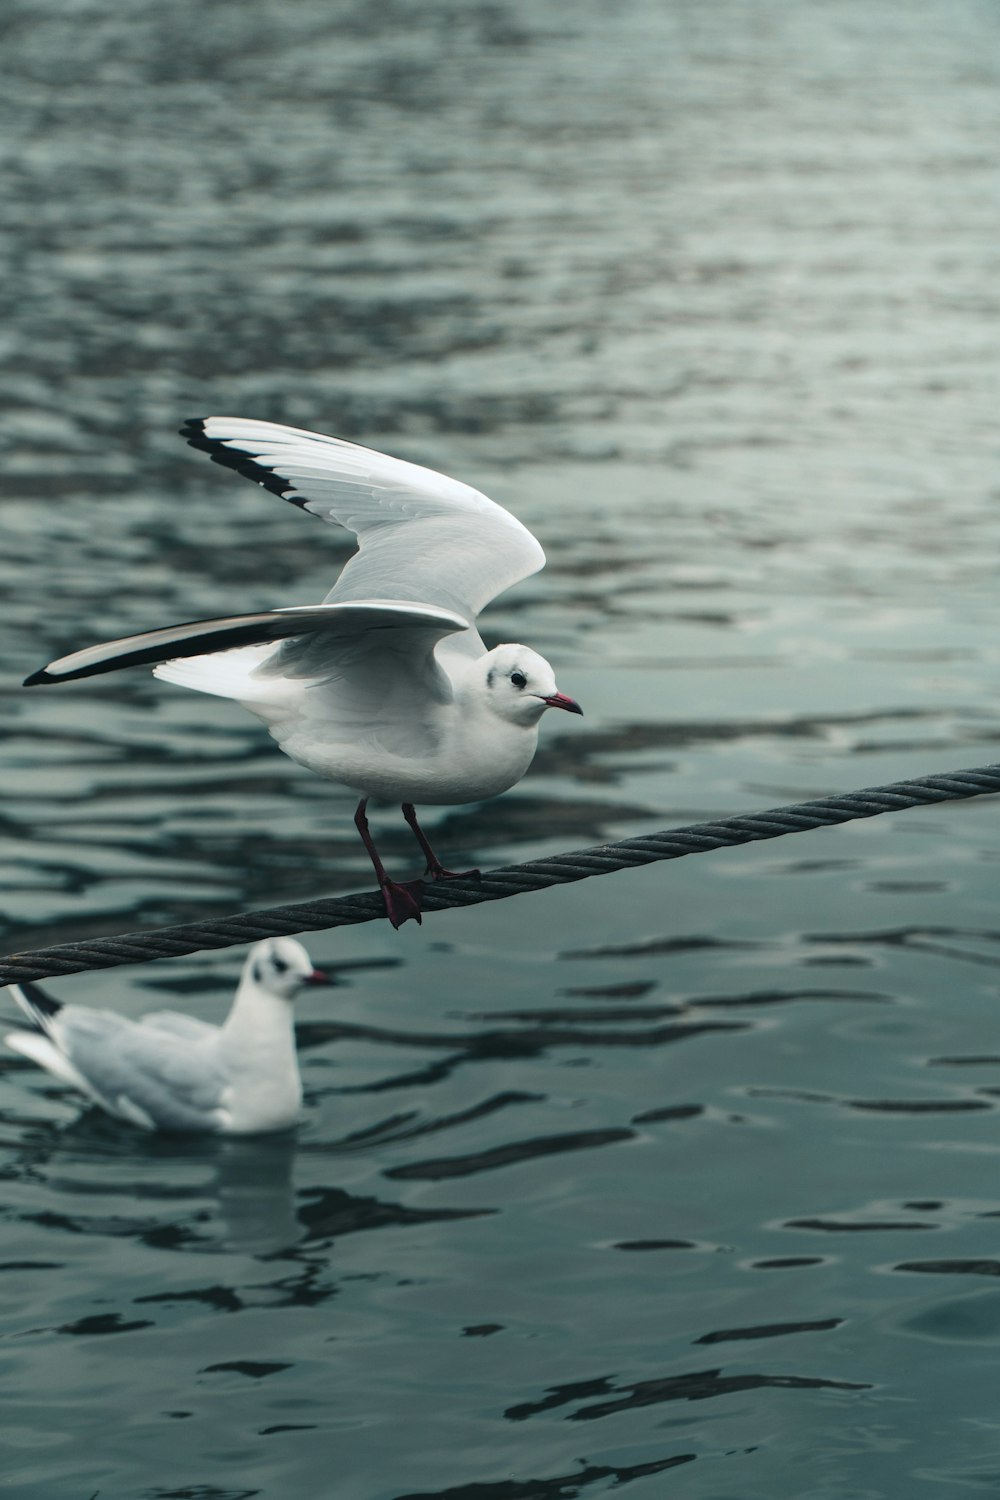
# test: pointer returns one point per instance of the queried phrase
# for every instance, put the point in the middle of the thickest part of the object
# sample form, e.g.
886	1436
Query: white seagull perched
169	1071
386	686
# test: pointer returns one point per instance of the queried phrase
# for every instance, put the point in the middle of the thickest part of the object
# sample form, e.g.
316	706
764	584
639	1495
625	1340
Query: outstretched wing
327	623
421	536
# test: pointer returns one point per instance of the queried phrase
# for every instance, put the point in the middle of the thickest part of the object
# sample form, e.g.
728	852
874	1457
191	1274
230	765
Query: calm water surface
684	1182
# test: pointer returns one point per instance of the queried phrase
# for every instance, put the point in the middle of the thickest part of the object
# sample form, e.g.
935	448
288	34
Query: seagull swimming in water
387	686
169	1071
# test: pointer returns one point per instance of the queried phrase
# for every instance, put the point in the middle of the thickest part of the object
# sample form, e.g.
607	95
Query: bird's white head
521	685
280	966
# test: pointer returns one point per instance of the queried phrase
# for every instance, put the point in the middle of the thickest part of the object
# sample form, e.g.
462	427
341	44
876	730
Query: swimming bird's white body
170	1071
387	686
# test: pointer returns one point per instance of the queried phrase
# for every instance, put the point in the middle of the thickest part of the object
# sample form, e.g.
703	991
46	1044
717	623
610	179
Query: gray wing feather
174	1023
175	1081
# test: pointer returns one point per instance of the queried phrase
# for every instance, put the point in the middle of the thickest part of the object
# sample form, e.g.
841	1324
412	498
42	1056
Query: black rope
495	885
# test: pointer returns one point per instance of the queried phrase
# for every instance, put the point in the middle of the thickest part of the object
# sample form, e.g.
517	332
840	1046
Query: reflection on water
666	1171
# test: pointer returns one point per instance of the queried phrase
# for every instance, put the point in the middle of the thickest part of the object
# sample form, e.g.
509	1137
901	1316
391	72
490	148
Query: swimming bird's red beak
318	976
560	700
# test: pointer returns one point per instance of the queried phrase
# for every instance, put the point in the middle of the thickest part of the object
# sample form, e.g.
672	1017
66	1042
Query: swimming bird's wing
143	1074
421	536
176	1023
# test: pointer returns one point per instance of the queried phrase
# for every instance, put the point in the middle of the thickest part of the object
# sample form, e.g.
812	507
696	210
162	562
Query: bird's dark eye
518	679
280	966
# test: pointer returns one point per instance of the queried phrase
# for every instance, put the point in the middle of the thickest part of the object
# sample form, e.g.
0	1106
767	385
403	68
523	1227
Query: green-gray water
684	1182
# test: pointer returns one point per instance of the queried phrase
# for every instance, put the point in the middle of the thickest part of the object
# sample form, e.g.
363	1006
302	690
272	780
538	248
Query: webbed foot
402	900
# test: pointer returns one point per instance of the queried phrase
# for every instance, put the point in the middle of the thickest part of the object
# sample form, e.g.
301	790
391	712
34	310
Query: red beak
560	700
318	976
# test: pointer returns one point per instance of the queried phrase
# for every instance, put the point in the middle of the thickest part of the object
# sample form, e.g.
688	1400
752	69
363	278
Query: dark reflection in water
509	1154
706	296
695	1385
560	1487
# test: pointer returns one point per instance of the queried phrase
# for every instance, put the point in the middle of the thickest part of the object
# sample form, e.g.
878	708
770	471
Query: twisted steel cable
495	885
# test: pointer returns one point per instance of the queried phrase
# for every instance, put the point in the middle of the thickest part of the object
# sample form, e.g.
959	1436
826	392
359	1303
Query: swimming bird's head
281	966
521	685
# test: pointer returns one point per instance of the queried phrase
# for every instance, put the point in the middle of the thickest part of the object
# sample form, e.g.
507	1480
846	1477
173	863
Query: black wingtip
39	998
193	432
195	435
36	1004
42	675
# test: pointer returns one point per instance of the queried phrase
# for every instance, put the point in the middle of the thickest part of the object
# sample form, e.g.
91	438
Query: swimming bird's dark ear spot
489	677
257	975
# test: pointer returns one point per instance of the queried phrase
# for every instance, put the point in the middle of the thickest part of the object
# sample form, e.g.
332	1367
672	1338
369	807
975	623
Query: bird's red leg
401	901
435	869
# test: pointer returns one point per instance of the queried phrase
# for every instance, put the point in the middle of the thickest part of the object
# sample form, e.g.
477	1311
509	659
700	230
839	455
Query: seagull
387	686
169	1071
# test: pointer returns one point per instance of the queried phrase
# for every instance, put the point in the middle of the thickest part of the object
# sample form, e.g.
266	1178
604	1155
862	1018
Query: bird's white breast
470	757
